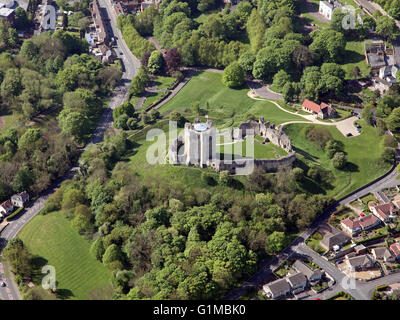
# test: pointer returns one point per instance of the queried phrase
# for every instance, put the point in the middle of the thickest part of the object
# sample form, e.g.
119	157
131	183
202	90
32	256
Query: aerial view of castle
205	150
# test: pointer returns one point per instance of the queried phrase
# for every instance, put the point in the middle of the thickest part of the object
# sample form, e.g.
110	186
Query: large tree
386	27
233	75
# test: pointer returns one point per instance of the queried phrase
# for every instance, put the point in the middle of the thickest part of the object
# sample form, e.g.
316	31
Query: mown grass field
363	154
79	275
235	105
227	106
161	83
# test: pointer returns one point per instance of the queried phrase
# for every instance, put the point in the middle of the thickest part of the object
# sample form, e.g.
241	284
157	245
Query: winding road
131	66
362	291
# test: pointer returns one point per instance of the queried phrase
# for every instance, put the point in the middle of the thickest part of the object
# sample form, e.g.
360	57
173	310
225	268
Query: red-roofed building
351	226
395	248
364	223
369	221
383	211
6	208
323	110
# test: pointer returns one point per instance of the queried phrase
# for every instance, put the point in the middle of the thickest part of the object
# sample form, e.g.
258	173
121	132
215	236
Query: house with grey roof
375	54
383	253
360	263
297	281
331	240
276	289
20	199
312	275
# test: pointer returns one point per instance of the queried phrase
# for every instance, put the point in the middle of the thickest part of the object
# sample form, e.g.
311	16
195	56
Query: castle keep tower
200	143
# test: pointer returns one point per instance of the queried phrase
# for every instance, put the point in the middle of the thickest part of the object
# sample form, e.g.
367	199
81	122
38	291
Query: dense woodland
51	99
161	238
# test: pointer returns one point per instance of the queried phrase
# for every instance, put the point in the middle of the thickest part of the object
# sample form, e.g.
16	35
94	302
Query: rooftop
278	286
296	279
200	127
6	12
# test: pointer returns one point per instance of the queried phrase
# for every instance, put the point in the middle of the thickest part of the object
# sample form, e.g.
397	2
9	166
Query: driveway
263	91
347	126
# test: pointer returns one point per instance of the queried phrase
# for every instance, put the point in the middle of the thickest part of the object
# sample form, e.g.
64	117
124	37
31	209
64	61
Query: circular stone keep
200	127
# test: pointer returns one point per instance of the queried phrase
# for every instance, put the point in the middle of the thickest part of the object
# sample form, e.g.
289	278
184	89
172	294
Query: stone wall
179	151
266	130
246	166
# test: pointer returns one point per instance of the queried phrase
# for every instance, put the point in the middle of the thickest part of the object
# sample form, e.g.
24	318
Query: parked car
3	284
349	135
339	261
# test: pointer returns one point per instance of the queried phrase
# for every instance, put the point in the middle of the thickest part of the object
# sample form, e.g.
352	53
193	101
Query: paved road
131	66
268	265
263	91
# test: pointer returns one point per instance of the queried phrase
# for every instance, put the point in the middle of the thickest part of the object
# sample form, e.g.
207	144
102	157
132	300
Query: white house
20	199
388	73
326	8
277	288
6	208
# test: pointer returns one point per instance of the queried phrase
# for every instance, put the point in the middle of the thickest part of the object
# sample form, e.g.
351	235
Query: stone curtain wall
264	129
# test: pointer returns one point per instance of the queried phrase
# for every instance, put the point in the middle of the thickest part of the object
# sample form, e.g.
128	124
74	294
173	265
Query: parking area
347	126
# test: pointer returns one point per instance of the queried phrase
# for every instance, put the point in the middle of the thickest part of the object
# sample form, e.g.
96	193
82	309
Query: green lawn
78	273
261	151
228	107
161	83
354	56
363	166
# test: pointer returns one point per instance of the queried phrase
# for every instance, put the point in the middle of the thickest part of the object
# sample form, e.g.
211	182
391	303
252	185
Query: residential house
381	85
7	14
331	240
351	226
106	54
99	25
357	225
149	3
326	8
20	199
395	249
382	253
322	111
388	73
383	211
6	208
312	275
360	263
374	52
277	289
369	221
297	281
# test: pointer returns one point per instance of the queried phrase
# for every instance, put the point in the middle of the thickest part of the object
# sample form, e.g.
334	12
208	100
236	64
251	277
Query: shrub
15	213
